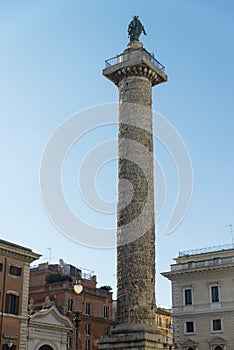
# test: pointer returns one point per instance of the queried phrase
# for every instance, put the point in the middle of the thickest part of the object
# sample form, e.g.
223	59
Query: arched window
191	348
218	347
46	347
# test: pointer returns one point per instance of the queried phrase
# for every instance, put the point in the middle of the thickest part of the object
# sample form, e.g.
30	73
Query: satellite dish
61	262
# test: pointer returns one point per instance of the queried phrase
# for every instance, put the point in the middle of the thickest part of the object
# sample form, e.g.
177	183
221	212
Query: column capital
134	61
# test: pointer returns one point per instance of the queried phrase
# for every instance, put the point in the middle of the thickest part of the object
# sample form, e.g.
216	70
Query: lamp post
77	320
78	288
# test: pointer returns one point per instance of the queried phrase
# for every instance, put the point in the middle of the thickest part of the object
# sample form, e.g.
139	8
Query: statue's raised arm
135	29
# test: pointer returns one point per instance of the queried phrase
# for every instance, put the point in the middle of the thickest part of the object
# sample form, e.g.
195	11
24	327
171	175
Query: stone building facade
48	329
163	321
203	299
94	304
14	284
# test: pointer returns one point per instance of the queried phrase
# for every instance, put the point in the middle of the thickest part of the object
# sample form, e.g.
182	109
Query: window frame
88	329
186	326
216	330
15	270
69	342
107	330
70	303
188	297
12	307
221	346
213	296
87	344
106	312
88	308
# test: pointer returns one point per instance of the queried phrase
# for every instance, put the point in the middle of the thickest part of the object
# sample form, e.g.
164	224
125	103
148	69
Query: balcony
130	55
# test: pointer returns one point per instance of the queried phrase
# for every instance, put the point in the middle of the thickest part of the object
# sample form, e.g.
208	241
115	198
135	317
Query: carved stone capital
136	70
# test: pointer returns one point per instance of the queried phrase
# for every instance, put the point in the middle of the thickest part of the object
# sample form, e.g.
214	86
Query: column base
133	337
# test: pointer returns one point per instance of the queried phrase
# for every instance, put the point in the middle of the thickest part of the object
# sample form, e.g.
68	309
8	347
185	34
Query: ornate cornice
181	274
17	252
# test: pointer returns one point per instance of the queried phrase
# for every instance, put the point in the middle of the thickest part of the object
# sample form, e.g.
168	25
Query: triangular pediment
50	317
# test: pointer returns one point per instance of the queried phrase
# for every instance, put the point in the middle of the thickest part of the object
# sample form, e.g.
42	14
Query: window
0	266
15	270
216	261
69	342
70	304
87	309
12	304
167	322
217	325
188	296
107	330
6	347
215	294
218	347
87	344
191	348
189	327
88	329
106	311
160	322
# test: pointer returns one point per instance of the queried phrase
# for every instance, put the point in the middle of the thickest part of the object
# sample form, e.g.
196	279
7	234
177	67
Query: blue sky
52	56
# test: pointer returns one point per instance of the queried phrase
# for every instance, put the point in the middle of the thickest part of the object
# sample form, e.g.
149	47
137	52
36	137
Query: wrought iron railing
126	56
206	250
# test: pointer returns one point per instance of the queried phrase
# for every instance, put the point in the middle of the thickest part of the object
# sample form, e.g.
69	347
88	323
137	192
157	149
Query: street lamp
77	320
78	288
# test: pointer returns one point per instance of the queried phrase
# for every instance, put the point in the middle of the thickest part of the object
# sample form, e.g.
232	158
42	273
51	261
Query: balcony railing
193	265
128	55
206	250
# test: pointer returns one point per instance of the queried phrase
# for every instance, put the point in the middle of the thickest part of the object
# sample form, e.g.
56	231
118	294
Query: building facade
54	285
14	283
163	321
203	299
48	329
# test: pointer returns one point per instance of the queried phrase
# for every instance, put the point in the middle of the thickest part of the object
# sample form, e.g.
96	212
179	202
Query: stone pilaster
24	313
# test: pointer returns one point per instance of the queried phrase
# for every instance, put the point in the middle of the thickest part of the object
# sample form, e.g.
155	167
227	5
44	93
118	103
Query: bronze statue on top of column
135	29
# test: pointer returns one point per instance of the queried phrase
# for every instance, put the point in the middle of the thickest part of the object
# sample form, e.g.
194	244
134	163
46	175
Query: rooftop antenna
230	225
49	255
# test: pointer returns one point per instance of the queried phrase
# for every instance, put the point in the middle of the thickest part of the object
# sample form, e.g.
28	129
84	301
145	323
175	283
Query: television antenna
231	231
49	260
